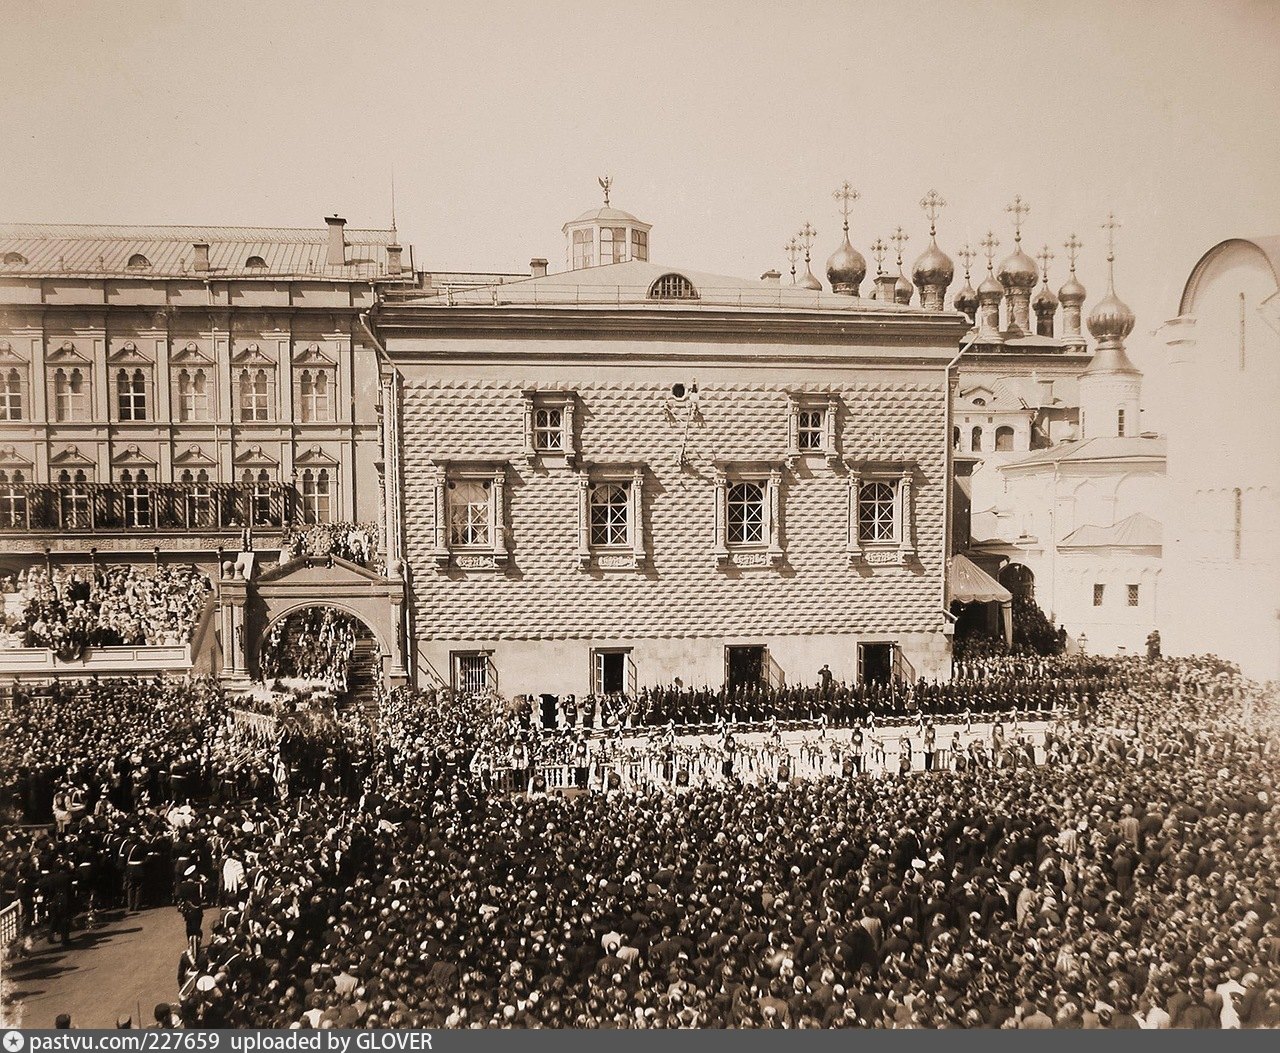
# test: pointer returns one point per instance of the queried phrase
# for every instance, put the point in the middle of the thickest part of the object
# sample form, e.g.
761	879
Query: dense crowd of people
355	542
315	644
1129	880
106	606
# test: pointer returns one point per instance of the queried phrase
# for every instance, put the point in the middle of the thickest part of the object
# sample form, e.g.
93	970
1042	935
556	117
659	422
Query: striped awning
969	583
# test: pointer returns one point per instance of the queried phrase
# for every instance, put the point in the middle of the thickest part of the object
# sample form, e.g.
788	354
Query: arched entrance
324	648
1019	580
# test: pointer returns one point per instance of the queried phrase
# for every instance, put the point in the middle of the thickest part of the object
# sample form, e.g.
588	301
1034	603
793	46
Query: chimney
538	267
772	277
885	284
393	258
337	255
202	255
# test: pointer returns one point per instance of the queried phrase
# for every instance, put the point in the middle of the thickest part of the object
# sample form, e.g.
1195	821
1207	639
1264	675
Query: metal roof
1137	531
1114	448
90	250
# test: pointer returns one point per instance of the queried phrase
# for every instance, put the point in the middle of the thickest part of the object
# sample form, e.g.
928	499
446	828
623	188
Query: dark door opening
875	662
745	667
611	672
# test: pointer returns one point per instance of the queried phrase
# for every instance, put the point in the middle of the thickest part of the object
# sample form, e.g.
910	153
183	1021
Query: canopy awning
969	583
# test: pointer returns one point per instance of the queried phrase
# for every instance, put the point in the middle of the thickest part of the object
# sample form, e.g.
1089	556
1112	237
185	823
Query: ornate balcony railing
152	508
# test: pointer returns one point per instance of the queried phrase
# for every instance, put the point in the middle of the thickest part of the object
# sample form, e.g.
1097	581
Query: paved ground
128	962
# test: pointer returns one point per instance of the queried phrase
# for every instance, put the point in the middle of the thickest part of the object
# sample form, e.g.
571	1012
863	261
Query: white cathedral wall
1224	434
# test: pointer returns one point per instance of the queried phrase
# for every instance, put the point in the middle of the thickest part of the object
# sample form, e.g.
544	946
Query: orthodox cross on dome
899	238
846	195
1045	257
606	184
932	203
1111	226
967	256
1018	210
878	250
806	234
792	249
990	243
1073	245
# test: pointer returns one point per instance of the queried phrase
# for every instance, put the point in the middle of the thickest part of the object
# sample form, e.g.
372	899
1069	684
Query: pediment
132	455
255	455
329	571
8	354
66	352
190	352
72	456
252	355
313	355
193	455
978	392
11	458
315	455
128	354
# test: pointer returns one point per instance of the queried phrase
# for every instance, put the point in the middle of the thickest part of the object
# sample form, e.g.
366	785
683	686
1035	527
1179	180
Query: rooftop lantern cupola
602	236
903	290
806	234
885	282
1072	295
933	271
1045	303
966	300
1111	387
846	267
1018	273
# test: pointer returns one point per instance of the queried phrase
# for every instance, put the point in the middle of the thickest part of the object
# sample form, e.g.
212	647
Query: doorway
875	663
610	674
744	667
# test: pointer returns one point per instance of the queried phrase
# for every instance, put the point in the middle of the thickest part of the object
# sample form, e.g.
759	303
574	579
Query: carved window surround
626	556
809	403
768	551
899	548
549	432
493	554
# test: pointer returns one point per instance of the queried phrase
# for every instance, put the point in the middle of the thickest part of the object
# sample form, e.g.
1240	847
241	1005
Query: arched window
131	394
138	262
10	395
14	258
975	440
469	507
1004	439
639	244
70	394
255	395
1237	526
74	500
258	492
673	287
137	498
315	496
613	245
315	389
746	514
13	500
255	263
955	438
199	498
193	395
583	246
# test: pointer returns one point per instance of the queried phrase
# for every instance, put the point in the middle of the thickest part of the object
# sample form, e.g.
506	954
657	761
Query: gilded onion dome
1072	292
1018	270
966	300
903	290
1044	299
990	287
1111	320
808	281
933	267
846	268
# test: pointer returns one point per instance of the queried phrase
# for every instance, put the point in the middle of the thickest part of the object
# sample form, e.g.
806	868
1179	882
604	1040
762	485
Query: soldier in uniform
855	750
930	744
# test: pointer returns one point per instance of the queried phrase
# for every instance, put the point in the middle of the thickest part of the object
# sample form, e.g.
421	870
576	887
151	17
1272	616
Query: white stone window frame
492	556
479	658
828	406
566	403
770	551
632	554
901	548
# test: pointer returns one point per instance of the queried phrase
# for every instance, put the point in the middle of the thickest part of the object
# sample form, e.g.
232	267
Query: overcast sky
725	124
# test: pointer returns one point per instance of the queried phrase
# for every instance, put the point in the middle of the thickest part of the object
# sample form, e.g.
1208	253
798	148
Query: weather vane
1018	210
846	195
606	183
1045	257
899	238
990	243
878	249
792	249
967	256
932	203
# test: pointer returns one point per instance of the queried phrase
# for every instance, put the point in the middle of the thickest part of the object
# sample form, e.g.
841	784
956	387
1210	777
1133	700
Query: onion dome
1018	270
966	300
934	267
846	268
1111	320
809	281
1044	300
1072	292
990	287
903	290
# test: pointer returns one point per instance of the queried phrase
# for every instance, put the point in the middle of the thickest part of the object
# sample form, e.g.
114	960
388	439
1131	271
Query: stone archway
1019	579
322	645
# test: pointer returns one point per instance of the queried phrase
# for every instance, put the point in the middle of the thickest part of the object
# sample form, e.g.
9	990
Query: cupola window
673	287
138	262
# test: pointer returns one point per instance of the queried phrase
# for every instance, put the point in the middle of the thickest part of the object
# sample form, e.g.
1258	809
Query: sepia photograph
705	515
